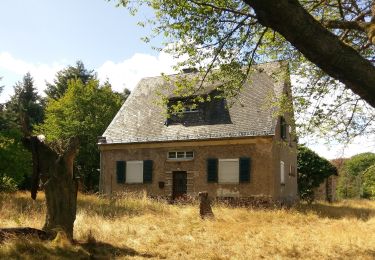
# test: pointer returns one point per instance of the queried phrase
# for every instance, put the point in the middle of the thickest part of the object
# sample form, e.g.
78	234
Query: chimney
102	140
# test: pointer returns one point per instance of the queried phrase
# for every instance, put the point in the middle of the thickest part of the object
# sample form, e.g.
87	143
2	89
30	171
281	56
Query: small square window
182	155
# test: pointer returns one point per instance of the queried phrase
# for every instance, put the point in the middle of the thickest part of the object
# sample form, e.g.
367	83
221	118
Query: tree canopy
59	86
84	111
357	177
330	46
312	171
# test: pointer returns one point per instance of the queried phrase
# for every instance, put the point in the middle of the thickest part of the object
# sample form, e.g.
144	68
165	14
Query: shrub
7	184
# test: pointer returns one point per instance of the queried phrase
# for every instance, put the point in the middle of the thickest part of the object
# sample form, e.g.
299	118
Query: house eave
190	142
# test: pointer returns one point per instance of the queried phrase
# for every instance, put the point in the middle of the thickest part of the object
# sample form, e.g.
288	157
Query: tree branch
222	8
318	45
351	25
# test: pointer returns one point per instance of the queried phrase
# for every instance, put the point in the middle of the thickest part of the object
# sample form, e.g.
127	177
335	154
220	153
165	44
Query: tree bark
317	44
56	172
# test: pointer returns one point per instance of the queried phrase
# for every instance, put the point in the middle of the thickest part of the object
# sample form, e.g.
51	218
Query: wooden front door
179	185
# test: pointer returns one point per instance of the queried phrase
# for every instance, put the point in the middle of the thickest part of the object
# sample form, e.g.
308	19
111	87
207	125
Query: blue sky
46	31
44	36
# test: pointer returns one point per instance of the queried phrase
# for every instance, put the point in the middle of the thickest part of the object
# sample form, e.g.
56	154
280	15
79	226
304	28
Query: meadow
136	227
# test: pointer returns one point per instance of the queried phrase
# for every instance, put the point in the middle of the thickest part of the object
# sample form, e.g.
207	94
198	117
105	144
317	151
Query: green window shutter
147	171
245	167
121	171
212	164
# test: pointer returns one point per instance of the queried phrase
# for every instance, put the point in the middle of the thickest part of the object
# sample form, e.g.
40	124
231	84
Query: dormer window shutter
121	171
245	168
147	171
212	169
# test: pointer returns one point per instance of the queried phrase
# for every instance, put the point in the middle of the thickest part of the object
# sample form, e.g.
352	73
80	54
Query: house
242	150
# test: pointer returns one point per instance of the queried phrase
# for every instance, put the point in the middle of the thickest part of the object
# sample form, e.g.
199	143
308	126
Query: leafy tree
17	118
84	111
312	171
58	88
356	179
15	160
26	107
369	182
330	44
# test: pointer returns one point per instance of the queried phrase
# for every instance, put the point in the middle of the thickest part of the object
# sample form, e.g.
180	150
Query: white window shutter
229	171
134	171
282	172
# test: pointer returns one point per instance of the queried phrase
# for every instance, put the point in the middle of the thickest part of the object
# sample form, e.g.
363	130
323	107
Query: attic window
180	155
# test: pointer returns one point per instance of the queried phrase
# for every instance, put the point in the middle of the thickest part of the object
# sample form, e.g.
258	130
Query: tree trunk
61	198
318	45
56	172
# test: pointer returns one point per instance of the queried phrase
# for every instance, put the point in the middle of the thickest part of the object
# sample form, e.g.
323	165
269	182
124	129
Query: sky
44	36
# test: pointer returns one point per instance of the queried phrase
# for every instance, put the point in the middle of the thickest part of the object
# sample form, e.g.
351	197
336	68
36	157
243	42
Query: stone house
236	147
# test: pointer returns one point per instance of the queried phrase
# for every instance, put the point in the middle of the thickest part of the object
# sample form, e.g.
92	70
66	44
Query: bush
7	184
312	171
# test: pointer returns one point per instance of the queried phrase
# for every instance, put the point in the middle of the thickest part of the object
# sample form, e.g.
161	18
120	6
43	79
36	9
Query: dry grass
131	227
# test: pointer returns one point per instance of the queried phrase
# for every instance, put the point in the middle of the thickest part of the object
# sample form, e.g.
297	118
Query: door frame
174	188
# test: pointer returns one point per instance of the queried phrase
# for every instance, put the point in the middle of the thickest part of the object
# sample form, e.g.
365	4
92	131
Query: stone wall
260	150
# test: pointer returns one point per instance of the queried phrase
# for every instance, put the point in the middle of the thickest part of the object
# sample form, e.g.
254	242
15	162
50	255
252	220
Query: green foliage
312	171
357	179
17	118
25	107
58	88
369	183
85	110
7	184
15	160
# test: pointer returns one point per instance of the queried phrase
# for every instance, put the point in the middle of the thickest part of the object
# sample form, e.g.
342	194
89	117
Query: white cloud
18	67
123	74
127	73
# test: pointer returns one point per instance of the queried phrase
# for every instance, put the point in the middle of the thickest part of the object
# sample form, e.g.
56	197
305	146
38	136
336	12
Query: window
134	172
292	171
181	155
282	173
229	171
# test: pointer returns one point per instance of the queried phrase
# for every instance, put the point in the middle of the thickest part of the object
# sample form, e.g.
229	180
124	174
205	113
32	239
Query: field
138	227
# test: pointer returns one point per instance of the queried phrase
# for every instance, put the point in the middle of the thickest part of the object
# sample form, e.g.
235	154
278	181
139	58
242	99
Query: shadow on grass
104	250
37	249
336	211
119	206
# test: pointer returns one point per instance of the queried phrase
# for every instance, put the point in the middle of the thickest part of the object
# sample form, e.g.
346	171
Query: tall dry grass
138	227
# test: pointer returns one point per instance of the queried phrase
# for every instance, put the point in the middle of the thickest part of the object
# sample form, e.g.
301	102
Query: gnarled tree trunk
55	169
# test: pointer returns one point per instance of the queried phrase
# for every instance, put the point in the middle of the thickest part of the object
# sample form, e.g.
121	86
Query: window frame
184	156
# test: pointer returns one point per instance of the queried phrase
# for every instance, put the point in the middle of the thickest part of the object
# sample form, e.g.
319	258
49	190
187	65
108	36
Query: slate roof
142	117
